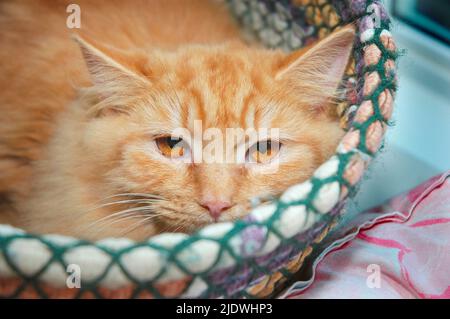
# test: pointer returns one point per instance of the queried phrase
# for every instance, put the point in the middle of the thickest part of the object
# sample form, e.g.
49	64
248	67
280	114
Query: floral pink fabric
402	250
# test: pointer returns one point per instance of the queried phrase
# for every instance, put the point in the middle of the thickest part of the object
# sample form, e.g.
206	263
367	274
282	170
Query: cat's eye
263	151
172	147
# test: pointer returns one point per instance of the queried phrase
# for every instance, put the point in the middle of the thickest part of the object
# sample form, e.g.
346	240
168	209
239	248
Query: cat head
148	112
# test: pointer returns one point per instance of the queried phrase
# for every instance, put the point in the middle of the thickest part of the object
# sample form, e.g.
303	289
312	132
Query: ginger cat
87	121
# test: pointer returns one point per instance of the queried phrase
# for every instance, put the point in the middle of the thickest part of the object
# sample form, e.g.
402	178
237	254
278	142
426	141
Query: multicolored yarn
253	257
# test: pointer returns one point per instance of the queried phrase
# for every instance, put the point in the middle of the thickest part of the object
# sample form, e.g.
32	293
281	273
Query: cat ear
108	68
317	73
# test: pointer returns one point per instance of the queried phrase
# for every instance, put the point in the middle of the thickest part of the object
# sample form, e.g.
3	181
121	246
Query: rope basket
256	256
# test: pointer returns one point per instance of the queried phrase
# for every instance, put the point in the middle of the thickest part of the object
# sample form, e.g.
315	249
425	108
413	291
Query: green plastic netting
254	257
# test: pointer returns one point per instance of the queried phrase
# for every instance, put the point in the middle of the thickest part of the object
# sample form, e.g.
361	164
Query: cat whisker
143	211
144	197
143	222
100	225
147	215
179	227
137	225
132	228
148	199
129	201
135	195
176	228
121	213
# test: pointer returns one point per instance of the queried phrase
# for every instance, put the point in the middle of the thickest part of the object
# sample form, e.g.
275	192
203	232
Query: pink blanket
402	250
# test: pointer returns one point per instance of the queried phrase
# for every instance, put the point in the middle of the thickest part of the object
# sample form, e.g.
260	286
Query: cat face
152	114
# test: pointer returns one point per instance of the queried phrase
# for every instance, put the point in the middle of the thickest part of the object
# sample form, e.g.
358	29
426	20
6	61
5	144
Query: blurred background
417	147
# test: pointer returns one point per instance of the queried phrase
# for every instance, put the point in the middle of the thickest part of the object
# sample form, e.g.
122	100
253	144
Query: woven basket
254	257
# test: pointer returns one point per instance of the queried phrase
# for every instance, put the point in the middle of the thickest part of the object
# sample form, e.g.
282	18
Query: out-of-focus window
431	16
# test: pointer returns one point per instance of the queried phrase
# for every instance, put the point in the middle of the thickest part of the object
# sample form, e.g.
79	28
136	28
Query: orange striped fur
75	129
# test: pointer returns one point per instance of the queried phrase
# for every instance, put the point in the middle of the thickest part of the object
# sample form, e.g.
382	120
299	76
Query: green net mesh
257	256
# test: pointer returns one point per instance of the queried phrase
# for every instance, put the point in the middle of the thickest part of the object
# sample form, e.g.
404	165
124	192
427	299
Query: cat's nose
216	207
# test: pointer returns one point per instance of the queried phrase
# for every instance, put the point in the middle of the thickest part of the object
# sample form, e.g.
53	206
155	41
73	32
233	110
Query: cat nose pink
216	208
